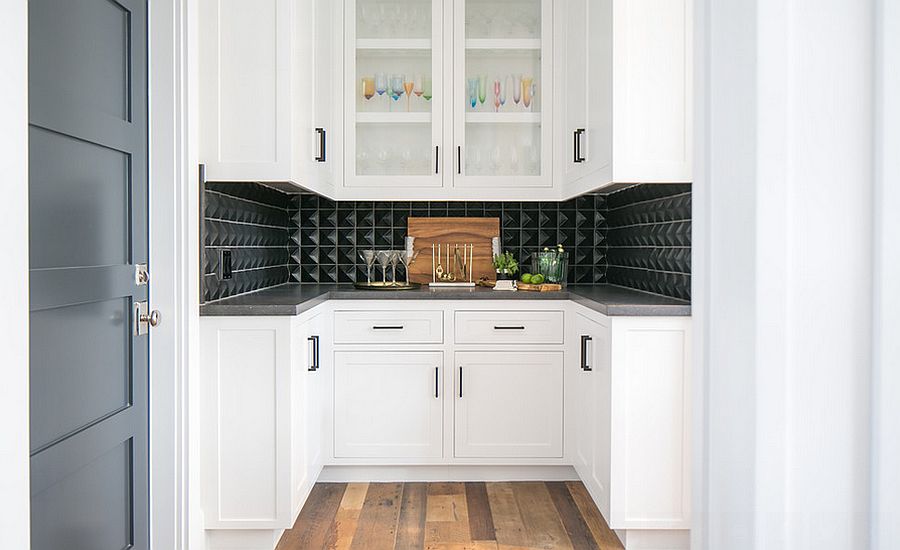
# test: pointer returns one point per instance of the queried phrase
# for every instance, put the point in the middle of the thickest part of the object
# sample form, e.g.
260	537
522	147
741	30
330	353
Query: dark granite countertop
293	299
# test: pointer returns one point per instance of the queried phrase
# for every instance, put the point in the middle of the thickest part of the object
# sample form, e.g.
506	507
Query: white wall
886	378
784	264
14	492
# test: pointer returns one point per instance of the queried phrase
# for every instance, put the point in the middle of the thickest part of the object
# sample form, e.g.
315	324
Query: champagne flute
473	91
381	84
408	86
527	90
396	86
507	83
517	89
420	85
497	90
368	87
427	90
482	88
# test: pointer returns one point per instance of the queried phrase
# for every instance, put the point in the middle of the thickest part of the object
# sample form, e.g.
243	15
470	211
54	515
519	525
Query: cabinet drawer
388	327
509	327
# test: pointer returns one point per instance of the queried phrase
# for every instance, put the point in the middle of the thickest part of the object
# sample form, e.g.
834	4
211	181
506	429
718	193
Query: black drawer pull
321	156
437	371
314	364
460	381
398	327
509	328
578	157
584	353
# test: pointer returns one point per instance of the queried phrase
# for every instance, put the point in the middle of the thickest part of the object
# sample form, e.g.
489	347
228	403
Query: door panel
88	229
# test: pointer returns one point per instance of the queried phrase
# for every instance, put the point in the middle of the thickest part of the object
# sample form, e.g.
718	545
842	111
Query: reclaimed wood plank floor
450	516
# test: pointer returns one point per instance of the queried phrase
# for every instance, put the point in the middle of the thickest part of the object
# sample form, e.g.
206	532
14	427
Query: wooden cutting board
453	231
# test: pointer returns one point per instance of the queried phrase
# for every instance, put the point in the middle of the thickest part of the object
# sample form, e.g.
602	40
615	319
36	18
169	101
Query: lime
526	278
537	279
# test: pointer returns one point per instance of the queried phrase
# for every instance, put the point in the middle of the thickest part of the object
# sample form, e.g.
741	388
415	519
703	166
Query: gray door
88	229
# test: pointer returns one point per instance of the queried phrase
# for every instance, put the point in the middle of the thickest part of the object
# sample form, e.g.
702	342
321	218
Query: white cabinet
508	404
388	404
260	106
627	99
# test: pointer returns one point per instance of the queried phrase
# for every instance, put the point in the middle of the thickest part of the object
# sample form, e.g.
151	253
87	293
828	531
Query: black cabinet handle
584	353
509	328
315	353
437	159
578	133
397	327
437	370
459	159
460	381
321	157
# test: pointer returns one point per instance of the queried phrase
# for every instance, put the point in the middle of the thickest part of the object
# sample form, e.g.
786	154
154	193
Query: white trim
454	472
14	461
173	269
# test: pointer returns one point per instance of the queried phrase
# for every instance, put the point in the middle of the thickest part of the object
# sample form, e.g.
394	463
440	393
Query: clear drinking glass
473	91
427	90
384	259
368	256
517	89
396	86
394	258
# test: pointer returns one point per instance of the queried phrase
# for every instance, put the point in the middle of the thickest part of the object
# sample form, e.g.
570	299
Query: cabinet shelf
393	118
393	44
503	44
503	118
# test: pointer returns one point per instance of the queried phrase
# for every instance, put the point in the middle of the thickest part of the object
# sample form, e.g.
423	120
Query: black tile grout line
251	201
668	222
617	266
254	224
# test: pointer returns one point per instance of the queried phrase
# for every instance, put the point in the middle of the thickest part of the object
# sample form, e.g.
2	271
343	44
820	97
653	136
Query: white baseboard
243	539
645	539
455	472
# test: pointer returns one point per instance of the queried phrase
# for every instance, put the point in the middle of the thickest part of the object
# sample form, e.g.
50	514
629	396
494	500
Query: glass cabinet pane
396	76
504	87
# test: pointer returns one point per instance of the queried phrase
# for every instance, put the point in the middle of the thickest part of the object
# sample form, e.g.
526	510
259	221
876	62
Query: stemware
473	91
507	84
362	160
368	256
396	86
393	259
408	86
368	83
496	159
497	91
419	88
482	88
513	159
407	258
381	83
427	89
527	90
384	259
517	89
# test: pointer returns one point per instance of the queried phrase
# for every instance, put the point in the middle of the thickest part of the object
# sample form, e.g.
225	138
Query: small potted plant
506	266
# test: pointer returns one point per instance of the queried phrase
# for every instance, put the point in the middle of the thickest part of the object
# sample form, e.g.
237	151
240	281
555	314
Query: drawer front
509	327
388	327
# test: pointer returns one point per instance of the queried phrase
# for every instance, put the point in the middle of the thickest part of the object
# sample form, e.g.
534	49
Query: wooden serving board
543	287
453	231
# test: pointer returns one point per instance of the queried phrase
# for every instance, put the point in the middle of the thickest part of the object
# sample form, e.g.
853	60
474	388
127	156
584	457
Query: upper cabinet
626	87
447	99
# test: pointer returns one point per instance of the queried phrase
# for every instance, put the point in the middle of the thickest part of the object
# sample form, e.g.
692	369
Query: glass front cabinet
448	94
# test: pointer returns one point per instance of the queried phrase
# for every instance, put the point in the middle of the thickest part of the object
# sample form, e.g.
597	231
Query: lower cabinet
388	404
508	404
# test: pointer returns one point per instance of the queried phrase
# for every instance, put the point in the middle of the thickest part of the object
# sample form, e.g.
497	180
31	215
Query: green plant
505	263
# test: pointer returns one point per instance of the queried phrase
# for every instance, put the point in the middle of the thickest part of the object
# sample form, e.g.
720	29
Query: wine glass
517	89
473	91
427	89
362	160
507	84
384	259
396	86
527	90
419	88
368	256
482	88
497	91
381	83
496	159
408	86
368	83
513	159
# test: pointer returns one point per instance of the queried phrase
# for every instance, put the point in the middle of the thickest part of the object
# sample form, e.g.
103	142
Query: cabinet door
502	100
245	57
652	90
591	443
509	404
394	96
585	146
318	370
301	357
388	404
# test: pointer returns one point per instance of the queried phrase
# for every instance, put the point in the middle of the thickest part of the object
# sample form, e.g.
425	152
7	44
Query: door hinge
141	274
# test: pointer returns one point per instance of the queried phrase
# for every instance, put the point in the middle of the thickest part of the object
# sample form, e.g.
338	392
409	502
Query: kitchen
449	274
430	262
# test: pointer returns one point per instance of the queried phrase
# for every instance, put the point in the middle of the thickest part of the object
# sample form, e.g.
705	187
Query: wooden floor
449	516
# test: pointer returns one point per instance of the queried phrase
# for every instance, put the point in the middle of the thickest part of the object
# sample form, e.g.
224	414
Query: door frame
174	266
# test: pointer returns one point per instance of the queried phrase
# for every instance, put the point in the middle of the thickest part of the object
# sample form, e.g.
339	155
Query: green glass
482	88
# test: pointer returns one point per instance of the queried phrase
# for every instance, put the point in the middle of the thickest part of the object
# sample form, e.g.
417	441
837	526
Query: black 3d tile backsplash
277	237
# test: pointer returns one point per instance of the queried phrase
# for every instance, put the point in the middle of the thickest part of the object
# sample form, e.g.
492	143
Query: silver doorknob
152	319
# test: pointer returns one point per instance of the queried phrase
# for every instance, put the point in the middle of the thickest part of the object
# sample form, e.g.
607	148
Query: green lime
526	278
537	279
